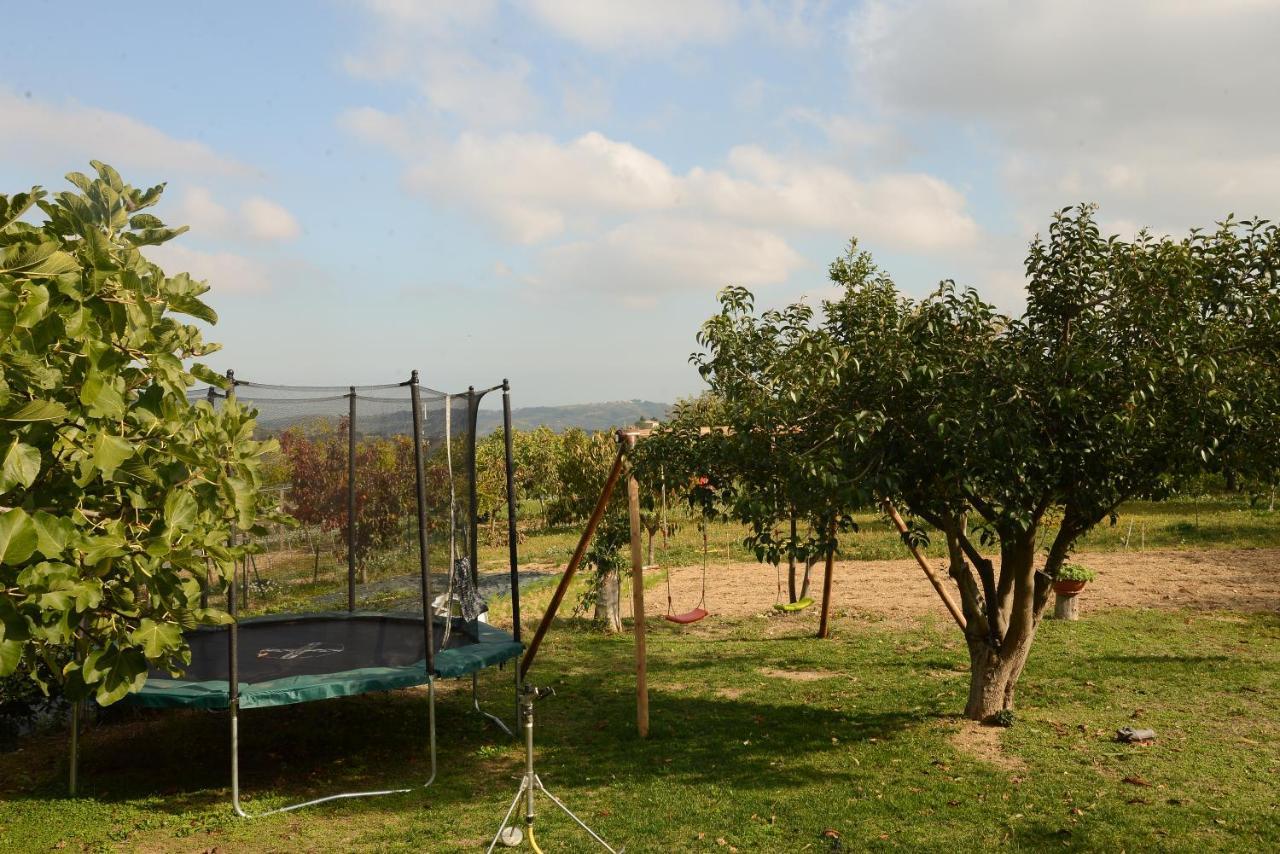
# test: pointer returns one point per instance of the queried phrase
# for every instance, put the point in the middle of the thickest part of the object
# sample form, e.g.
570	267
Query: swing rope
699	612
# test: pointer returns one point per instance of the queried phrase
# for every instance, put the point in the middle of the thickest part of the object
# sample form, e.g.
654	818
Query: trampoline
276	660
296	659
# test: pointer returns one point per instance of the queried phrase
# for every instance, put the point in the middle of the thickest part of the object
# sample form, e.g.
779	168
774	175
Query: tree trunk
993	677
809	564
608	602
791	566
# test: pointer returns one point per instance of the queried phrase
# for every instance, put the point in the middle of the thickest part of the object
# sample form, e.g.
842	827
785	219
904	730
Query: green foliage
1075	572
1003	718
1134	366
315	462
119	493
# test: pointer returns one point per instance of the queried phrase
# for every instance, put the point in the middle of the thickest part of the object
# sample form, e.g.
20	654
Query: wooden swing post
924	564
637	598
596	515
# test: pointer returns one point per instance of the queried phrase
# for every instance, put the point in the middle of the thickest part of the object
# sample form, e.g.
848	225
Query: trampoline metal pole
351	500
512	547
415	397
73	783
233	696
472	404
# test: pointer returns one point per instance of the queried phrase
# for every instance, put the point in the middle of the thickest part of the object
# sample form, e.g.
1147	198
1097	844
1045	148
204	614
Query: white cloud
266	220
259	218
424	44
201	211
531	184
627	26
652	255
226	272
37	132
537	188
664	25
1155	109
904	210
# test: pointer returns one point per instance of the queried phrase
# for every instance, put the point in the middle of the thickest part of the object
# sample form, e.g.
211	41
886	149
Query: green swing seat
793	607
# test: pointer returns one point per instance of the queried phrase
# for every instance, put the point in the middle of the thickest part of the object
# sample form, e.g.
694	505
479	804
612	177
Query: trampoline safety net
345	473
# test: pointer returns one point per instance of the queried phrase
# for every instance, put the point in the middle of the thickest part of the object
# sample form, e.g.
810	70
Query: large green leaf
52	532
34	308
21	466
43	259
156	639
37	410
10	656
109	452
180	511
18	537
97	549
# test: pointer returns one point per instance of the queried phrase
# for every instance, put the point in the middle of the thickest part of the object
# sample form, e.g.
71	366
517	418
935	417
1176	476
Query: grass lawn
762	738
1204	523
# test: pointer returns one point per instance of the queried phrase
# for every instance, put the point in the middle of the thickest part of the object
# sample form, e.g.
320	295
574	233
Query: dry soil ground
1244	580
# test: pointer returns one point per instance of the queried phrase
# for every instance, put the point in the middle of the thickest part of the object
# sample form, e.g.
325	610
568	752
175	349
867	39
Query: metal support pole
73	784
512	546
530	784
513	553
471	475
233	694
415	396
351	501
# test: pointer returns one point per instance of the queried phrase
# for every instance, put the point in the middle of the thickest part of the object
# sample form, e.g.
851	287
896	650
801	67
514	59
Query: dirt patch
983	743
730	693
1241	580
797	675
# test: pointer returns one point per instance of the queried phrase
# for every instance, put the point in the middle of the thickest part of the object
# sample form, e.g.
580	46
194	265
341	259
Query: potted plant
1071	579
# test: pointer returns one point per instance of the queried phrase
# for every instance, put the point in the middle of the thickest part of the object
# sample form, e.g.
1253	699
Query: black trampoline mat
314	645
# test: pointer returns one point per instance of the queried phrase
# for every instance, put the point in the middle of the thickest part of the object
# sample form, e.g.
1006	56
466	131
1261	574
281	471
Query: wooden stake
637	608
823	629
924	564
596	515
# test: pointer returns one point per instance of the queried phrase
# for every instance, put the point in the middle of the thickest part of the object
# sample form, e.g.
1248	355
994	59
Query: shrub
1075	572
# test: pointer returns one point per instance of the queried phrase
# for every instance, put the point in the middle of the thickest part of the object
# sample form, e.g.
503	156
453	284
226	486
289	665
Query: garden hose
533	843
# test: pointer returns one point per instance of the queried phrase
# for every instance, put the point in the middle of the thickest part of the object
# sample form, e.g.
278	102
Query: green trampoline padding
284	660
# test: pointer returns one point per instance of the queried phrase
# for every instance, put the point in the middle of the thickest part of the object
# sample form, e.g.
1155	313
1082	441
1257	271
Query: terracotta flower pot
1068	588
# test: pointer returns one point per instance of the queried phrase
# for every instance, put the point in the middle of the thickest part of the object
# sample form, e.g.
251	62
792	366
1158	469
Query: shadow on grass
178	762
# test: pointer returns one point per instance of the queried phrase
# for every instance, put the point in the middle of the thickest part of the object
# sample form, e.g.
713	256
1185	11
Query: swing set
699	611
626	441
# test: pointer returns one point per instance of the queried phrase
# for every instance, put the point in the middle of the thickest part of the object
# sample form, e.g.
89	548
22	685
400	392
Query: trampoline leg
235	761
431	727
73	783
235	766
475	701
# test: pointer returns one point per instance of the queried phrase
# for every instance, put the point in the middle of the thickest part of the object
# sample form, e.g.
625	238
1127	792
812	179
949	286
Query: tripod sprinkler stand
510	835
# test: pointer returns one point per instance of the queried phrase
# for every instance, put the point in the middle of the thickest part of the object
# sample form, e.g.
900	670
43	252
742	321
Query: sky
555	190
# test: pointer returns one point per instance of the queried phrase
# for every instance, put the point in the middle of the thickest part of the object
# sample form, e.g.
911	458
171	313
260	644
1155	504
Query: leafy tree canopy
1134	363
119	493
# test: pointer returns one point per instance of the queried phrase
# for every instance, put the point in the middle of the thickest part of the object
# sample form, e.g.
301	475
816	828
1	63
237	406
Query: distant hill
381	420
587	416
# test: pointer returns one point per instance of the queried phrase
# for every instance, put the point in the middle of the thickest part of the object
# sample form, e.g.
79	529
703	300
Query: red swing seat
688	617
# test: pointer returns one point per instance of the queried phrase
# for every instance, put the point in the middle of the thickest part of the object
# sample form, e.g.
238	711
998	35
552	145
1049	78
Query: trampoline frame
233	687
